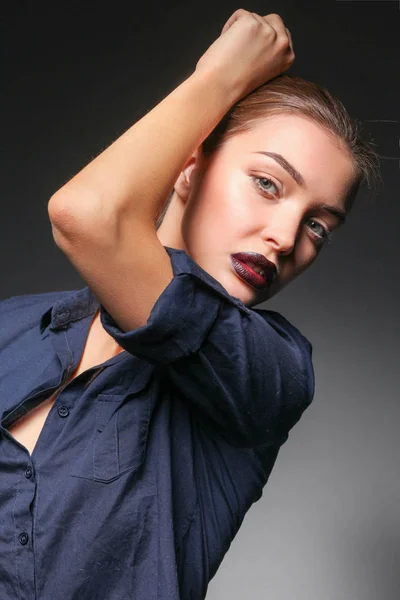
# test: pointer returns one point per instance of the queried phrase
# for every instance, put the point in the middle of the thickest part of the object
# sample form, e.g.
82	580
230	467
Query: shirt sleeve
247	374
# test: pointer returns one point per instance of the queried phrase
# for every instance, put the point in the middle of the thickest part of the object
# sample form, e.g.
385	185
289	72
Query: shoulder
21	312
23	301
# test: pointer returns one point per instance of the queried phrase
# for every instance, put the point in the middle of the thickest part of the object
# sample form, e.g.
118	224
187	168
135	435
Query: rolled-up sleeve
246	374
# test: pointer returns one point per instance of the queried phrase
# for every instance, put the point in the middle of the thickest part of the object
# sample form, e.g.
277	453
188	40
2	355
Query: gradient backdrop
76	76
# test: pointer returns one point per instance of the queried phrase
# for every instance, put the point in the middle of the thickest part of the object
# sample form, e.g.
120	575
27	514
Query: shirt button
23	538
28	472
63	411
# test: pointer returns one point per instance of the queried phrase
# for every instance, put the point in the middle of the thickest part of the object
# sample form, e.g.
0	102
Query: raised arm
104	218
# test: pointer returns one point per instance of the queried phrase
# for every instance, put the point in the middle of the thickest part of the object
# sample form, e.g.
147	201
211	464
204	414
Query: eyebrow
299	179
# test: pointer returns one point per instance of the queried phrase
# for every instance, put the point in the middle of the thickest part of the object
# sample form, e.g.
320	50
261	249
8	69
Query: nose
282	230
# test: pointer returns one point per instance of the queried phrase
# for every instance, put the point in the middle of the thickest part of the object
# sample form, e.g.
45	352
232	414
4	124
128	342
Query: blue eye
258	180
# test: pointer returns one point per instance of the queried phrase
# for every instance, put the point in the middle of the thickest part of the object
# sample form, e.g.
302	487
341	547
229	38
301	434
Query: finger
276	22
259	18
290	38
263	20
234	17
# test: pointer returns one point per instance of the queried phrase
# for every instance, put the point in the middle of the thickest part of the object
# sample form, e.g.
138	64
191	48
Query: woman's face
244	201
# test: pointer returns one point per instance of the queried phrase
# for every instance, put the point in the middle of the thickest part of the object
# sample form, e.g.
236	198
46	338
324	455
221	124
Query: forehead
286	127
322	160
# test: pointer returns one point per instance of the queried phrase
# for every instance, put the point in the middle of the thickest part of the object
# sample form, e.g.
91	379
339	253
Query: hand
250	51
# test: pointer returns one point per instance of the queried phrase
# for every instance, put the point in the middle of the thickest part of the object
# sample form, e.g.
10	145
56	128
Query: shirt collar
74	305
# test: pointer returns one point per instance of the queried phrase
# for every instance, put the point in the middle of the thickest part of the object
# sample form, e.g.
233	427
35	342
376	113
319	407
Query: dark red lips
261	282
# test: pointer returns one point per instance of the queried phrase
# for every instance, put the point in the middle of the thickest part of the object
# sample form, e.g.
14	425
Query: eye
325	236
265	187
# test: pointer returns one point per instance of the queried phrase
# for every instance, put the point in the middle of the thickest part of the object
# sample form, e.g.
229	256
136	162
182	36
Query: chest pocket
118	443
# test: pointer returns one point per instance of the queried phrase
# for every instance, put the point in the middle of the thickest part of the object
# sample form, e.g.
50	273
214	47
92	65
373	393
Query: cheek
211	207
222	208
304	256
231	203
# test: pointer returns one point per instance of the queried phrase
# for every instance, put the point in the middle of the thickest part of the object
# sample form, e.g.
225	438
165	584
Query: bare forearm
135	175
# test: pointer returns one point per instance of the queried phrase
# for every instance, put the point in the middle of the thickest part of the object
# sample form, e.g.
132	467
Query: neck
169	232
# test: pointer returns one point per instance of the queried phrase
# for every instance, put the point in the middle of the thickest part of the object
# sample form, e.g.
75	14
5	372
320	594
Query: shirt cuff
180	318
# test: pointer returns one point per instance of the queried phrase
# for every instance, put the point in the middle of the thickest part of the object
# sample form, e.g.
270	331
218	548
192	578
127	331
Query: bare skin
104	219
217	209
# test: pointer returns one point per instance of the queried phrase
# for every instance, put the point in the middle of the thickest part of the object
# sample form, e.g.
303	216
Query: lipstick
241	262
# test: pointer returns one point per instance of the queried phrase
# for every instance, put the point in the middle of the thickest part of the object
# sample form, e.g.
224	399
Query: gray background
75	77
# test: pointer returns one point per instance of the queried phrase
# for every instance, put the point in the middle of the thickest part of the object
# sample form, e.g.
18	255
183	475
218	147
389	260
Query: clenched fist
250	51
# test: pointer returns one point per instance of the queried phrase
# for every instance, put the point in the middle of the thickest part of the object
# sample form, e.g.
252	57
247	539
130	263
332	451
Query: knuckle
283	43
242	12
253	23
276	17
290	59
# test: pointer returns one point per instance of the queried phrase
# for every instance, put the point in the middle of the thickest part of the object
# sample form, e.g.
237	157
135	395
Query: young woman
153	402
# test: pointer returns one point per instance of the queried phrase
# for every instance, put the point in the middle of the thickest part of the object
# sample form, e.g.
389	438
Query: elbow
77	216
61	215
61	220
66	224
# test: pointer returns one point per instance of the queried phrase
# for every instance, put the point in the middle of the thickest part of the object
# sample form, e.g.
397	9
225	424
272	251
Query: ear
187	177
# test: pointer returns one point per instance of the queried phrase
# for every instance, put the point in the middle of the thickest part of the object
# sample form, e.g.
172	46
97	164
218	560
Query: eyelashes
326	236
257	181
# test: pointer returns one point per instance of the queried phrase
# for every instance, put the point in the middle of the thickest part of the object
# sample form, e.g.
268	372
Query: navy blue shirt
146	464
